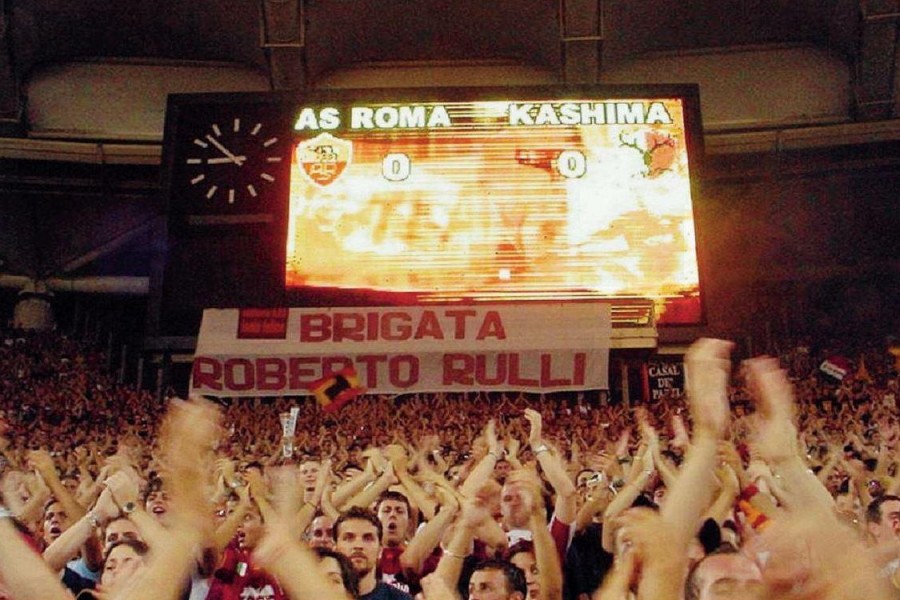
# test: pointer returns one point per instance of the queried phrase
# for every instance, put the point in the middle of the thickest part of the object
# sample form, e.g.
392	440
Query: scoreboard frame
233	254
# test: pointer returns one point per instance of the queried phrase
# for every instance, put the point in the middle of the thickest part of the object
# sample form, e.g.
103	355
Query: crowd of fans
771	479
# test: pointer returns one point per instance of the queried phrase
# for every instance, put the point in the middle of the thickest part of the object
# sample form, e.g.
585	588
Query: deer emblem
657	151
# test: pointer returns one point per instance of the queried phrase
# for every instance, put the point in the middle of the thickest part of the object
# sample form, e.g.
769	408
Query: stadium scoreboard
411	197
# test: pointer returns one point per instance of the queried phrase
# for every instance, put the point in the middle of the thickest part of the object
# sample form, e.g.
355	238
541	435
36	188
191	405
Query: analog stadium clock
231	160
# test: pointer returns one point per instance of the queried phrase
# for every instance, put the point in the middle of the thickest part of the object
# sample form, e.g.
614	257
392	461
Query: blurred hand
707	373
680	439
105	507
123	488
776	436
435	588
376	459
490	437
396	454
446	499
274	544
649	538
474	513
535	434
256	484
512	447
42	463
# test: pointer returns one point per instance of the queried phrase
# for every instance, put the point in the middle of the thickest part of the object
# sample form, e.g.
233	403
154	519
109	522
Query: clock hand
218	161
236	160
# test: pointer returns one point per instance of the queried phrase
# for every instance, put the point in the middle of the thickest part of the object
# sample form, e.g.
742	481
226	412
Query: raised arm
21	568
30	510
66	546
842	569
750	500
707	372
776	438
429	536
282	554
484	470
188	433
546	555
728	491
834	458
88	489
228	528
666	471
43	465
307	512
474	514
617	584
554	470
327	506
512	453
125	493
660	542
652	543
370	494
637	480
435	588
399	458
347	490
295	566
259	493
597	500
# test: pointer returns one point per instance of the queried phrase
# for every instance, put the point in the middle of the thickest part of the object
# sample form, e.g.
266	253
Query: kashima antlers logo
658	151
323	158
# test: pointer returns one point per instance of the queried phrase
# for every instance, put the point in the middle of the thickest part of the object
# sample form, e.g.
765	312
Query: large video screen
497	195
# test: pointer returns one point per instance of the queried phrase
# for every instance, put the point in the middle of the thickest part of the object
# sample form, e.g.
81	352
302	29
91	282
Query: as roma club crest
324	158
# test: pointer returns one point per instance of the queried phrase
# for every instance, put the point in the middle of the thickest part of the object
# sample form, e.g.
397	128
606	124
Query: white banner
531	347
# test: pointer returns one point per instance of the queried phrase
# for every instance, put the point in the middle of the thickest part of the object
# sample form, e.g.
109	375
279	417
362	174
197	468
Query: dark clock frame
215	253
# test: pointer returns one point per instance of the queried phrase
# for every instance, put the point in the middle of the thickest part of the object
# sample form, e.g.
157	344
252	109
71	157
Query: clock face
232	160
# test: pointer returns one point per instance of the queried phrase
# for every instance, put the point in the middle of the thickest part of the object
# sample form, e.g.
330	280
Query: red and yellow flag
333	391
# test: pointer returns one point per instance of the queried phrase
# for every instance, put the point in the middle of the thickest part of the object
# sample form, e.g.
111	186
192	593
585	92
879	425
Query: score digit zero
397	166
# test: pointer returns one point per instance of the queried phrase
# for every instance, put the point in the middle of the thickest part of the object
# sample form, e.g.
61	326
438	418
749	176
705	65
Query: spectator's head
517	500
659	495
521	554
393	511
730	535
309	472
724	574
156	499
497	580
54	523
502	469
883	518
123	560
709	536
338	569
117	530
255	465
453	473
70	482
250	530
876	488
584	478
357	535
321	532
350	471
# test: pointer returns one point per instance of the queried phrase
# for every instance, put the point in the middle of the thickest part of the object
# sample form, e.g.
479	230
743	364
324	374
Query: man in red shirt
236	578
393	512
